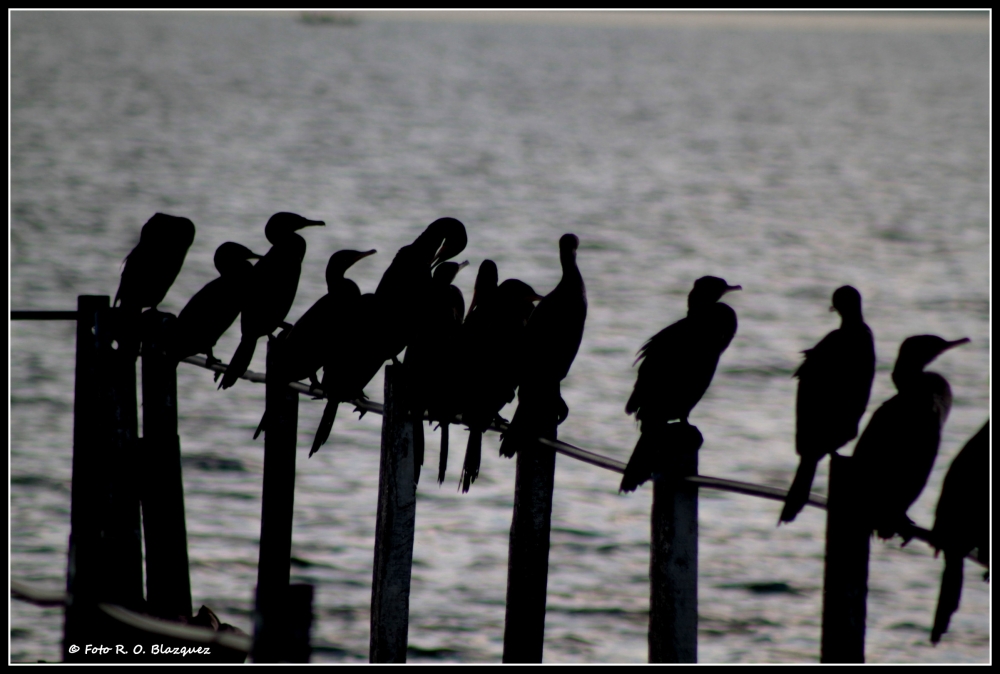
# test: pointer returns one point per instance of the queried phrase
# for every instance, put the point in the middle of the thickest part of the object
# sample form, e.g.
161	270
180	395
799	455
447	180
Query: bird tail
260	426
418	444
240	362
325	425
640	464
951	593
443	458
473	458
798	493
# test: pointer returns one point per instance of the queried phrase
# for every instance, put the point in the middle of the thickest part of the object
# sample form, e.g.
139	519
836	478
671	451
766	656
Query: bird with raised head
551	340
896	451
270	289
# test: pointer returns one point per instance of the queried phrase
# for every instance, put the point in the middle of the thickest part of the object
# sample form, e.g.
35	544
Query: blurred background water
787	153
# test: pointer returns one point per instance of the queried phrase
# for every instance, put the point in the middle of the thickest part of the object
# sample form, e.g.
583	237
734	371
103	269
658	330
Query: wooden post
90	433
300	617
673	568
845	577
123	528
277	503
168	583
397	509
528	556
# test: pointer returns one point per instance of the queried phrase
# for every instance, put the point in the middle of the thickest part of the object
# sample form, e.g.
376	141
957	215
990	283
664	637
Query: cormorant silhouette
305	348
152	266
835	382
388	318
678	364
432	360
896	452
491	351
551	339
962	522
215	307
271	288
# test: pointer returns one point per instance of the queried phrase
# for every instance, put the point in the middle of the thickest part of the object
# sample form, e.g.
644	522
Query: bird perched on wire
321	329
551	340
388	318
432	361
896	451
491	350
835	382
678	364
270	289
962	522
149	271
215	307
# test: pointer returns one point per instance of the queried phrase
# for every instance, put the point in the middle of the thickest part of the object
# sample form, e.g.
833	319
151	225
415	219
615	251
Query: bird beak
957	342
463	265
536	297
311	223
832	308
366	254
730	289
253	256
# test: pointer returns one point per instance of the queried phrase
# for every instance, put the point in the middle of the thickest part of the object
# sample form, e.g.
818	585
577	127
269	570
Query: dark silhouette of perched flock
472	365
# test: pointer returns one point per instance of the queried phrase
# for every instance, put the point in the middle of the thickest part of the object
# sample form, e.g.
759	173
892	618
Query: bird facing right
835	382
678	364
895	454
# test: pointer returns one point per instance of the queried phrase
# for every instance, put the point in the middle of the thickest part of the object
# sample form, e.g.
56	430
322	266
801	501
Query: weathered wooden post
123	534
277	503
105	550
168	583
528	556
397	509
90	432
845	577
673	567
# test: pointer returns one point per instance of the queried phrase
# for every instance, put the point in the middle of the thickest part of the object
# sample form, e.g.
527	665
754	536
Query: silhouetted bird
215	307
962	522
271	288
405	284
149	271
152	266
896	452
835	382
551	339
678	364
432	360
491	352
304	350
389	318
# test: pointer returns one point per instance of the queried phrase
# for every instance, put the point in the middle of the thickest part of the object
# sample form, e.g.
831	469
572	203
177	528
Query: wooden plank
528	557
168	582
673	568
397	509
845	575
277	504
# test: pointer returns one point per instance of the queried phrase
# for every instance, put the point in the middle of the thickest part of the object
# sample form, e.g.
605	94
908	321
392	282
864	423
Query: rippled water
788	157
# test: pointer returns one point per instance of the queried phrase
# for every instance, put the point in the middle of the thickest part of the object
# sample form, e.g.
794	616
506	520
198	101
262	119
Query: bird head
449	234
341	261
847	302
916	352
707	291
231	256
280	225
